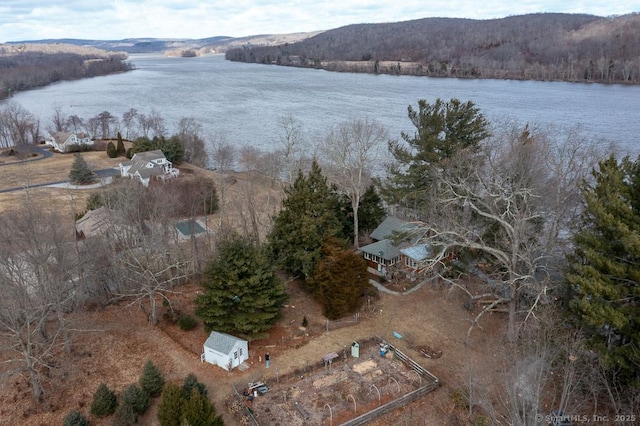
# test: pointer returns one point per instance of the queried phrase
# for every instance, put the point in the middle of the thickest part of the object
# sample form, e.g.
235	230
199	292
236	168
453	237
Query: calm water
245	102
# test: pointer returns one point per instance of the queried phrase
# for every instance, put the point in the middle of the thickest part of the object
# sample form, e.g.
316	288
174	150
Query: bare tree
143	246
189	132
18	127
489	204
292	149
224	154
128	119
352	150
75	123
107	124
37	280
59	120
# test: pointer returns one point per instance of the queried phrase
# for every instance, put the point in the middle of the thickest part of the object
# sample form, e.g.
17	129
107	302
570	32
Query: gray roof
388	226
384	249
417	253
221	342
148	155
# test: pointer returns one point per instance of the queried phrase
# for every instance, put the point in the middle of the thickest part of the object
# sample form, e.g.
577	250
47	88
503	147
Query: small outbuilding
225	351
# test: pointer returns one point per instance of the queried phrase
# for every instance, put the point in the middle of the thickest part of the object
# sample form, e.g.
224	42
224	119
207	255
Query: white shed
225	351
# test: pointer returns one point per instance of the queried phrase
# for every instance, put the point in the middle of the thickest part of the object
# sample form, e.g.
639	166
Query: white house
145	165
62	141
225	351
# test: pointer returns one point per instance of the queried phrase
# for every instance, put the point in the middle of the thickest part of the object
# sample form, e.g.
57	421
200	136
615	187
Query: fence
344	322
432	383
247	410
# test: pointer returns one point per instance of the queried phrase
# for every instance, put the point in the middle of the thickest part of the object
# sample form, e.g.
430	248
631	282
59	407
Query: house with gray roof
147	165
396	243
224	350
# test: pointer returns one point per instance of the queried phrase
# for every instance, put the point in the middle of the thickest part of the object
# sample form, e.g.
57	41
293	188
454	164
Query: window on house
240	351
235	355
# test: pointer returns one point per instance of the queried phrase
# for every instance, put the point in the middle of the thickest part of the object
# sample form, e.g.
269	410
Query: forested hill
25	66
545	46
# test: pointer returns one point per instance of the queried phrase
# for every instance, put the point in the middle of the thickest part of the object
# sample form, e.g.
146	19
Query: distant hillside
547	46
218	44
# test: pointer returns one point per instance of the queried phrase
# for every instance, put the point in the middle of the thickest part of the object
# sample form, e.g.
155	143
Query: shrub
104	401
75	418
95	201
136	397
112	152
151	380
187	322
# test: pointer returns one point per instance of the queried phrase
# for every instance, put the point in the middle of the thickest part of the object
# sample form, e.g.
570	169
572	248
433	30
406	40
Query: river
244	103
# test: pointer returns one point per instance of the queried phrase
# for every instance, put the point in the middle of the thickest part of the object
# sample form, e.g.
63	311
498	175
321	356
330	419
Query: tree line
25	67
544	46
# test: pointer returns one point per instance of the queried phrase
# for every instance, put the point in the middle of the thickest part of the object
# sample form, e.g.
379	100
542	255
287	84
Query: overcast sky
118	19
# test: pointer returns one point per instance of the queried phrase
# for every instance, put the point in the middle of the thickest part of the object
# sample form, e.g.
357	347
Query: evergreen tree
95	201
199	411
125	415
604	269
120	151
80	173
171	405
372	211
151	379
242	293
75	418
190	383
171	148
442	129
306	219
135	397
112	152
104	401
339	281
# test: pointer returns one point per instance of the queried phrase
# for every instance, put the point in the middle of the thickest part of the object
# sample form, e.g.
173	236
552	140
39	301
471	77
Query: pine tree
120	151
171	405
442	129
372	211
199	411
151	379
604	270
136	398
306	219
339	281
80	173
75	418
190	383
242	293
125	415
104	401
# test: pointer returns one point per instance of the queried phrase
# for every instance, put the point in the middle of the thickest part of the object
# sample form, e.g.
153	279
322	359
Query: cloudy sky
118	19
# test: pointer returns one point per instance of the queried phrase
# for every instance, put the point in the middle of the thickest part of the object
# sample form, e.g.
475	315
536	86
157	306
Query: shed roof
221	342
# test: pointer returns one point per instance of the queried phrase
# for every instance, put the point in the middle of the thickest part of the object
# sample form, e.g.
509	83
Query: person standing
267	358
